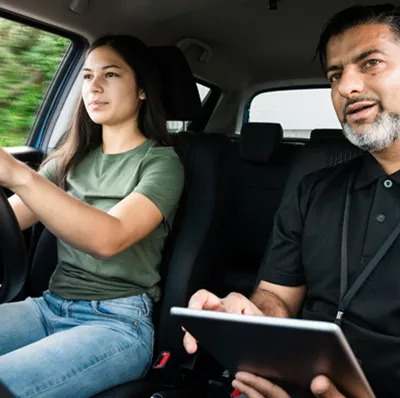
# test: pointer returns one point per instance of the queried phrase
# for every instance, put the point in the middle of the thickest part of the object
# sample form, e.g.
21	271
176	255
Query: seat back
197	248
263	164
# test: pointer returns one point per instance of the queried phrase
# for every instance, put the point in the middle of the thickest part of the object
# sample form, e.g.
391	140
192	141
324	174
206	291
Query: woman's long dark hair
85	135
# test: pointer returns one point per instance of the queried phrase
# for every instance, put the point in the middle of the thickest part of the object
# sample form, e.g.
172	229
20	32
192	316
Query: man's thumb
322	387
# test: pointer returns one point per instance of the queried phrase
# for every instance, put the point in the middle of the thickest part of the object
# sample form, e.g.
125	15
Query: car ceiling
250	44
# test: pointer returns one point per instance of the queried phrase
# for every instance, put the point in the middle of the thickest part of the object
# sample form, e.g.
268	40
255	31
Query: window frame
60	82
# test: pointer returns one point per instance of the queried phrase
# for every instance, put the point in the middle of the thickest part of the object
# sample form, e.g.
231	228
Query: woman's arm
24	216
82	226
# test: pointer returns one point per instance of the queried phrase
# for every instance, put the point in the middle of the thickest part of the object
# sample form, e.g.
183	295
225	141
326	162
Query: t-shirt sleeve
49	171
162	180
282	264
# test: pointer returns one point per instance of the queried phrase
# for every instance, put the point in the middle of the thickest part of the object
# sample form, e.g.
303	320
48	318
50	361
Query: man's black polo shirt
306	249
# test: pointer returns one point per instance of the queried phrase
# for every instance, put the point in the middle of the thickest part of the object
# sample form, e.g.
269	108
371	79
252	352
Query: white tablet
292	351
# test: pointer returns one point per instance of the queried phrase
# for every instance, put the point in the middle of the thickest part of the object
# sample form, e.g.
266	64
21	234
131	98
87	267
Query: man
340	228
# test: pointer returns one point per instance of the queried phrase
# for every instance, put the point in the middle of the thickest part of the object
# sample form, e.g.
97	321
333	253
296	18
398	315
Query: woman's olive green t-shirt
102	180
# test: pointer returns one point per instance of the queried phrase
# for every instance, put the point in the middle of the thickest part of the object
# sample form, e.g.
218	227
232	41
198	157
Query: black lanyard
346	295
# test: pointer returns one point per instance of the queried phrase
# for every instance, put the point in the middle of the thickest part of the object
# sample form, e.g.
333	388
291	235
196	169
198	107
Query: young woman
109	194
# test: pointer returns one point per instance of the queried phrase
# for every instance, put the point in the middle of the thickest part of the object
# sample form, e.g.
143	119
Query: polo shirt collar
371	171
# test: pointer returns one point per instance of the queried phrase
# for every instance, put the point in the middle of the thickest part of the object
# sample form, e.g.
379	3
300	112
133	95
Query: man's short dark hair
386	14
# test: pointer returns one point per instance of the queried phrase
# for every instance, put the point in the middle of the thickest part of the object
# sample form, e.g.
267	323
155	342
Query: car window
298	111
175	126
203	91
29	58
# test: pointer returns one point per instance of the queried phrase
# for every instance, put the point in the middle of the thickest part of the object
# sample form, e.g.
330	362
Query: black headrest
180	93
326	134
259	141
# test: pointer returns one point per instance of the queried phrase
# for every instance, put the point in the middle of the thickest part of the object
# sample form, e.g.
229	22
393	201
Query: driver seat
197	245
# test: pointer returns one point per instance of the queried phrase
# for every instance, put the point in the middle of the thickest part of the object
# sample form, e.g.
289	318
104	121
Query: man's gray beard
376	136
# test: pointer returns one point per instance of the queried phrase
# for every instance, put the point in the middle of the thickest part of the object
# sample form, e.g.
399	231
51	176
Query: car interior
237	76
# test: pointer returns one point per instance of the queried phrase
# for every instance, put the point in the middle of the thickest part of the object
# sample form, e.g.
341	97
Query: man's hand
205	300
321	386
257	387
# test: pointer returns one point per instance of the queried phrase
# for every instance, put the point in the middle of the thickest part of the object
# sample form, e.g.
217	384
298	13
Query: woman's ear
142	95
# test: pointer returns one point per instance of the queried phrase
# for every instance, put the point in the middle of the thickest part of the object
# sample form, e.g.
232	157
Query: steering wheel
12	252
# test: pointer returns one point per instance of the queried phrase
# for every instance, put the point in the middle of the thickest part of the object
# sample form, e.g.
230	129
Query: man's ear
142	95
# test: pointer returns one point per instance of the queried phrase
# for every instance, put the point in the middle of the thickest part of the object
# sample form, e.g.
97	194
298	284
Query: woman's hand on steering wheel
12	171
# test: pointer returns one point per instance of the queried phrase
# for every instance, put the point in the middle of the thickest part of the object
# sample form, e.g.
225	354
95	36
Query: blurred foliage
29	59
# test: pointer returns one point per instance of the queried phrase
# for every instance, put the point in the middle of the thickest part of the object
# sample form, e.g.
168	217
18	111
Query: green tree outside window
29	59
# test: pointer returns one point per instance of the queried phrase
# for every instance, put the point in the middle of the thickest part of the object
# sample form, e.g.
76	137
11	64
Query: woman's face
109	91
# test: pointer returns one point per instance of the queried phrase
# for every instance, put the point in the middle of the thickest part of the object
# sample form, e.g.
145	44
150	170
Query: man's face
363	67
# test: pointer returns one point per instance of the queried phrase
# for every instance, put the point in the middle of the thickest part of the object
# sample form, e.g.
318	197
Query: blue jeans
51	347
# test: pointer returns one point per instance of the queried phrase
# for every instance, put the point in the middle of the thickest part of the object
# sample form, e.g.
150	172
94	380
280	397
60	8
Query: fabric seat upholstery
326	148
262	168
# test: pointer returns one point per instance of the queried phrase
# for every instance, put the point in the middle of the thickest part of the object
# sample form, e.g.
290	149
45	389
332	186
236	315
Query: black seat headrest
326	134
180	94
259	141
326	148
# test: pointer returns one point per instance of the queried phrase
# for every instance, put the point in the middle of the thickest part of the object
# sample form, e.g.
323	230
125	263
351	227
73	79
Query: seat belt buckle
162	360
235	393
